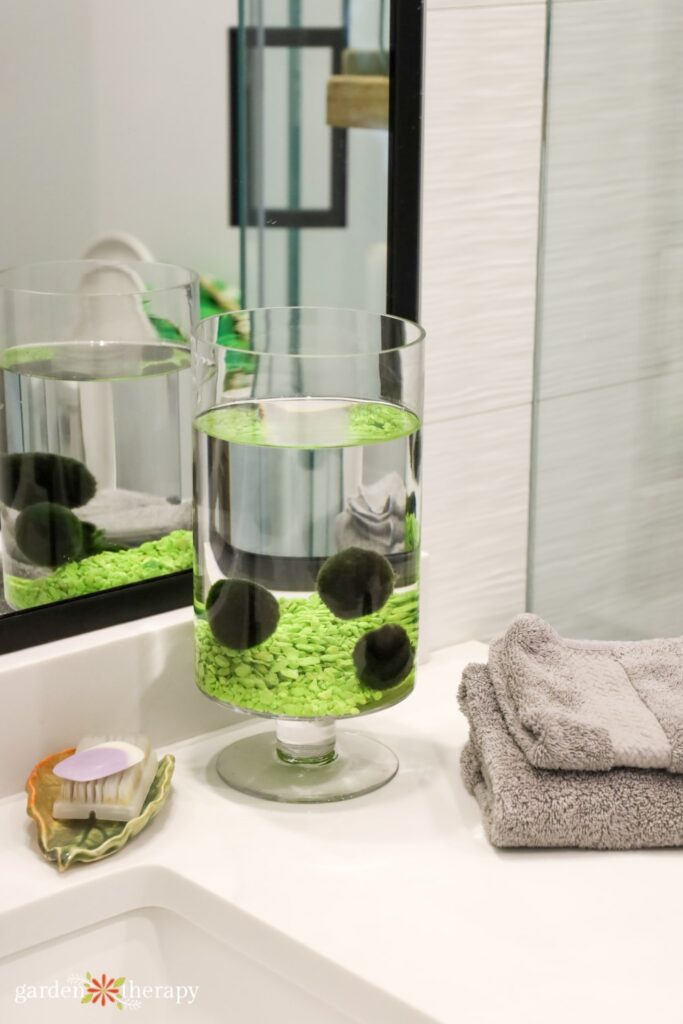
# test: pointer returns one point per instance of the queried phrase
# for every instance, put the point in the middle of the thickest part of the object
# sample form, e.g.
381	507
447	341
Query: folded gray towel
581	704
626	808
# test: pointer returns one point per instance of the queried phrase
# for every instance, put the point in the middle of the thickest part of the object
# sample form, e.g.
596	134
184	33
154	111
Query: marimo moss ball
49	535
355	582
383	657
241	614
32	477
94	541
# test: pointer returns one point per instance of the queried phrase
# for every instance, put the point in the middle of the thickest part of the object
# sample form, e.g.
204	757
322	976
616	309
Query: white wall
161	134
131	103
482	157
47	199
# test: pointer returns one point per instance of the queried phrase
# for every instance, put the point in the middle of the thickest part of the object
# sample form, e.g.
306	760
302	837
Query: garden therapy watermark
106	990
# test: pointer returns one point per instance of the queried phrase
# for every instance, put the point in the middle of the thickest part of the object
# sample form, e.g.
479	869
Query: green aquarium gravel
172	553
306	668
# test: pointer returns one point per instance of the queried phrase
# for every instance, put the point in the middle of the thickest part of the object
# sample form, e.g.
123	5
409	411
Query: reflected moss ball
355	582
30	478
383	657
49	535
241	614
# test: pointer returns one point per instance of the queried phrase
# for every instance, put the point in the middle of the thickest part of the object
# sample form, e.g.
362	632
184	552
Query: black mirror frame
34	626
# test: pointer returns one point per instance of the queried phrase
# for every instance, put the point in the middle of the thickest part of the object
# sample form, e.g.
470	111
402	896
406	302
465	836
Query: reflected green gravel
172	553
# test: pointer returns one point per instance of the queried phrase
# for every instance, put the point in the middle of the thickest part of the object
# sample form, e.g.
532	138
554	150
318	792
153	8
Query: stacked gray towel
576	743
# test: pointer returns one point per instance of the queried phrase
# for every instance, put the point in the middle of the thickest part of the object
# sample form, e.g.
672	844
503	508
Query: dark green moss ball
49	535
383	657
241	614
94	541
32	477
355	582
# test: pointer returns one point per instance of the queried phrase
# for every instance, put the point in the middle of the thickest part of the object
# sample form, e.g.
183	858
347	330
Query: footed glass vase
307	539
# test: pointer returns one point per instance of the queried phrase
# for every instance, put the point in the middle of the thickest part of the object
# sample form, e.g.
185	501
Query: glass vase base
360	765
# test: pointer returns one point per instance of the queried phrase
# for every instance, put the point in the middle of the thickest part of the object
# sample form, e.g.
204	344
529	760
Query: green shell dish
67	842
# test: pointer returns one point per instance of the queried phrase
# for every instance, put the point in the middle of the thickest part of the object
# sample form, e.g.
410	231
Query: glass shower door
606	540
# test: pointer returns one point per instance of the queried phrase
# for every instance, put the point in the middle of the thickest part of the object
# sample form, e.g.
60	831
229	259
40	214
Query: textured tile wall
482	153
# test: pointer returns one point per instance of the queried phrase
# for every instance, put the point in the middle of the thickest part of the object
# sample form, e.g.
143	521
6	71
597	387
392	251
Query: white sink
211	965
174	970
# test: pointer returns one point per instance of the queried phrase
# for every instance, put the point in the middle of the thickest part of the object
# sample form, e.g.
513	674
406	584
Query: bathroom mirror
273	146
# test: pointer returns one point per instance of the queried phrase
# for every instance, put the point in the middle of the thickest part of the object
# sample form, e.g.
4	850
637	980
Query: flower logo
103	990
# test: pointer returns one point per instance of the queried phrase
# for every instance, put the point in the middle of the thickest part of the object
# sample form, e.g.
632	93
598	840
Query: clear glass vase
95	437
307	538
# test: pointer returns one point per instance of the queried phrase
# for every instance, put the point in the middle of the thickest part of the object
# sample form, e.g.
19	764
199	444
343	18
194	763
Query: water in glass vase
307	544
94	475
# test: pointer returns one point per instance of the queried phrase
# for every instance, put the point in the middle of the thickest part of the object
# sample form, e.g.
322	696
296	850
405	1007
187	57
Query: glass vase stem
303	743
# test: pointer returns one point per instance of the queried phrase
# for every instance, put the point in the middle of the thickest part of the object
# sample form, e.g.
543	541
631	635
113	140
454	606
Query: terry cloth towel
590	705
626	808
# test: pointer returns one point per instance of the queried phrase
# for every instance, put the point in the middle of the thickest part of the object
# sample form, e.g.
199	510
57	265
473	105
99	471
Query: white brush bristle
117	797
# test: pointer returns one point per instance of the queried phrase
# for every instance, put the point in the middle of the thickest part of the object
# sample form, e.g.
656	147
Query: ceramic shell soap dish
89	801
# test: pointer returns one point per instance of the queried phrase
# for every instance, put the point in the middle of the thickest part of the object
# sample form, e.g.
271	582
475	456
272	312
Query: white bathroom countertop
399	888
